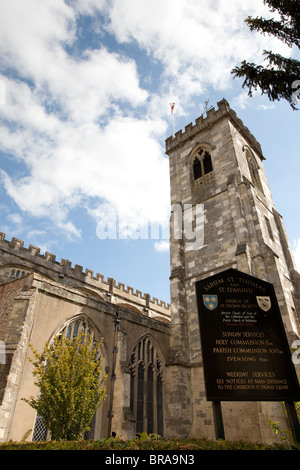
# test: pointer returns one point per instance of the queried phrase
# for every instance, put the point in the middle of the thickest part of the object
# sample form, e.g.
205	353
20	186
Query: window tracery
202	164
11	273
146	387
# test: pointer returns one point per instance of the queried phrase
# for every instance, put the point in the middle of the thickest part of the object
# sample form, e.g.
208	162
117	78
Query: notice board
245	351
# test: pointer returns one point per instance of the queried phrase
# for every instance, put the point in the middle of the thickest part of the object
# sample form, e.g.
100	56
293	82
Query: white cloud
296	253
32	33
88	7
86	88
129	171
15	219
267	107
198	42
241	101
162	246
73	121
64	114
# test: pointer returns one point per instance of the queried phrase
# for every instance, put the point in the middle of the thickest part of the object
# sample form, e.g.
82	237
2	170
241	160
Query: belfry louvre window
197	168
202	164
146	388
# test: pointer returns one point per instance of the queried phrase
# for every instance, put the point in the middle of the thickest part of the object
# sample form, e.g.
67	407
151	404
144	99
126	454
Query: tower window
269	228
197	168
253	169
207	163
202	164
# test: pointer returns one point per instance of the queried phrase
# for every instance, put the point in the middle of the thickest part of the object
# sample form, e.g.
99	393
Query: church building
222	217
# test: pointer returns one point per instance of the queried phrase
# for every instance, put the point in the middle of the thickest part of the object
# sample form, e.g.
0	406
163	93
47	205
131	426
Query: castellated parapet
17	261
205	123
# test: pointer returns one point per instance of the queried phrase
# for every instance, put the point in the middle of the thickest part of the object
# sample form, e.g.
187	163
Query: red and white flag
172	107
172	113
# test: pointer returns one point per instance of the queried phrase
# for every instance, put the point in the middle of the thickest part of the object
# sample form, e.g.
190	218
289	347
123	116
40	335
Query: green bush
71	385
146	442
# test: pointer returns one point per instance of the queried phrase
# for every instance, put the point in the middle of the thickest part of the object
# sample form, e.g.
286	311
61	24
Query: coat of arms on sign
264	303
210	301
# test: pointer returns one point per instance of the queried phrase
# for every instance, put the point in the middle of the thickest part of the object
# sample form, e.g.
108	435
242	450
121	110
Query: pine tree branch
282	30
285	8
275	83
278	77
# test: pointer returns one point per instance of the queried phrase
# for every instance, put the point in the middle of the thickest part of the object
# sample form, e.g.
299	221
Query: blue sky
85	87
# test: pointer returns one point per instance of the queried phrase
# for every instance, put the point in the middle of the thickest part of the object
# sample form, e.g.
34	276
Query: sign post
218	420
246	356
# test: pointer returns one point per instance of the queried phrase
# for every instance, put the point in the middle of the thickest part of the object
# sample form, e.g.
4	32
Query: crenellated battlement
14	254
203	123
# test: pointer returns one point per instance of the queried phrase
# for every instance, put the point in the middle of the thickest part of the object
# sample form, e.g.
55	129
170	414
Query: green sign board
245	352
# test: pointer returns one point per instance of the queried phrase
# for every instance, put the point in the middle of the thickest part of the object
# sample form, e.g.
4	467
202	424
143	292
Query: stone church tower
223	216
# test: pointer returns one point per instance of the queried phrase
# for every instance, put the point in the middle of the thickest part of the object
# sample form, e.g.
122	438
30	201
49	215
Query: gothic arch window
202	164
70	329
253	168
73	328
130	307
10	273
146	387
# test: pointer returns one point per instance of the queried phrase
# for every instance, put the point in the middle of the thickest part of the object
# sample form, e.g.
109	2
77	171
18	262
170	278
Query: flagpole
173	125
172	113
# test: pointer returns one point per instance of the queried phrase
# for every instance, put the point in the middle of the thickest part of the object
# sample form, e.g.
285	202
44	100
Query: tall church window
268	224
253	169
71	330
202	164
146	387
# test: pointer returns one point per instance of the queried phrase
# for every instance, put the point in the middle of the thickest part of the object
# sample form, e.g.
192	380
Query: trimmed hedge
146	443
